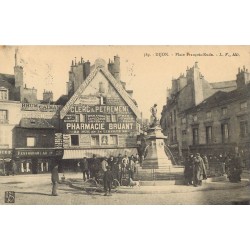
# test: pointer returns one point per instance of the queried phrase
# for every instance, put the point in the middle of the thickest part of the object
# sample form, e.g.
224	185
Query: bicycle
92	185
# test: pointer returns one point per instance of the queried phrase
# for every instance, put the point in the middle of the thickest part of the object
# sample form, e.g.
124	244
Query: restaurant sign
38	152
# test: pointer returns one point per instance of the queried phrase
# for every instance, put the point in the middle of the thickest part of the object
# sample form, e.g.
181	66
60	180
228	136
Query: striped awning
80	153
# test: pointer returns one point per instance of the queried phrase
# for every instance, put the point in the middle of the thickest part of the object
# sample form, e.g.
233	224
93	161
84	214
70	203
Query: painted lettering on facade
58	140
100	128
39	107
5	152
99	109
38	152
38	114
88	99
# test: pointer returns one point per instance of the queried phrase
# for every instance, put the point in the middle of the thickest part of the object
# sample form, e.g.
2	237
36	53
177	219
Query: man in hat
107	181
55	178
85	168
188	171
104	164
95	167
199	170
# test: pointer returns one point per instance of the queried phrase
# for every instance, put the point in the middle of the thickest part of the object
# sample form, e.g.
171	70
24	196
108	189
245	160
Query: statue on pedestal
153	117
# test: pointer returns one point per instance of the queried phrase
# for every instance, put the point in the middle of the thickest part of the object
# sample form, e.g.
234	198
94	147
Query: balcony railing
4	121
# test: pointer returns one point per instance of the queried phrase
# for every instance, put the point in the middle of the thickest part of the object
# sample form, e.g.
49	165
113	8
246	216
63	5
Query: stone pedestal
157	157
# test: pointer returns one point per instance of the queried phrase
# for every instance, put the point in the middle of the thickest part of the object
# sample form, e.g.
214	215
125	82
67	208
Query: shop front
37	160
5	160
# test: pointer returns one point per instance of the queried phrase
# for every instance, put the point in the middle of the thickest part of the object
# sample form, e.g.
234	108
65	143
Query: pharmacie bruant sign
106	119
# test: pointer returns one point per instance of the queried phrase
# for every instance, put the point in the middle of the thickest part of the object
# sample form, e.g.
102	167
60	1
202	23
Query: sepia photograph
124	125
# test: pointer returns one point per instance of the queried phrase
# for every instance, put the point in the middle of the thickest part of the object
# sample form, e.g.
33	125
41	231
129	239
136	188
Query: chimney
18	72
117	68
111	67
86	69
243	77
48	96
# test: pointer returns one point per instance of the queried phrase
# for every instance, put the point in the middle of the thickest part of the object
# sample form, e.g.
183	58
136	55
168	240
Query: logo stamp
9	197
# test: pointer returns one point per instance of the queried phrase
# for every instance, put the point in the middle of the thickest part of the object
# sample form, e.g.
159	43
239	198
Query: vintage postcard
124	125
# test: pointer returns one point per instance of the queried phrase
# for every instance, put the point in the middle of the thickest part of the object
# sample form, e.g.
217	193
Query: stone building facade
25	122
217	124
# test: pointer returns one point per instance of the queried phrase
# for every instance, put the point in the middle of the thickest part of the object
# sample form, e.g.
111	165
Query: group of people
109	168
197	166
120	166
195	170
9	168
233	167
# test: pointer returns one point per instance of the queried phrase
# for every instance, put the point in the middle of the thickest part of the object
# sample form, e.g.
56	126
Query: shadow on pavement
81	192
33	193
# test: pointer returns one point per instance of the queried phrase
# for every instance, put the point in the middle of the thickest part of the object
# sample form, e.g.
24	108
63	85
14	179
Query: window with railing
4	94
209	115
195	136
225	132
243	129
208	134
224	111
4	137
195	118
3	116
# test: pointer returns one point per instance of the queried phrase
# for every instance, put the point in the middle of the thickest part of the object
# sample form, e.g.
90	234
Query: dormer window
243	105
103	100
209	114
4	94
224	111
195	118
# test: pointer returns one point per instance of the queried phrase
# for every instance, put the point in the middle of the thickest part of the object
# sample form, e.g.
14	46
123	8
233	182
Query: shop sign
100	109
88	99
5	152
40	107
37	152
104	128
58	140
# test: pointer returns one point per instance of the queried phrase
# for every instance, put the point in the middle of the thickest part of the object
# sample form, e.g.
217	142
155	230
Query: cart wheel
90	186
115	185
124	182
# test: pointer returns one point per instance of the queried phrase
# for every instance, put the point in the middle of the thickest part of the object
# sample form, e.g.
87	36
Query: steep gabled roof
222	98
62	100
35	123
118	87
7	78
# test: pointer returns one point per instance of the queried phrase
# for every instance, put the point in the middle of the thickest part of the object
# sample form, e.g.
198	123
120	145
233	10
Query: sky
147	70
